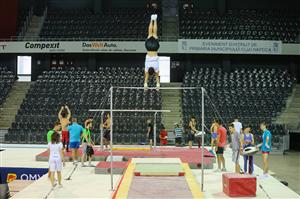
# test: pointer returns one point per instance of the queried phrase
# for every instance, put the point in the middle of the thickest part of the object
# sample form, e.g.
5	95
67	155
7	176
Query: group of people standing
178	132
67	133
241	138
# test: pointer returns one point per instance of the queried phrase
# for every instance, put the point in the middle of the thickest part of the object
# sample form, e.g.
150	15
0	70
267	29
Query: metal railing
25	25
18	38
21	37
43	20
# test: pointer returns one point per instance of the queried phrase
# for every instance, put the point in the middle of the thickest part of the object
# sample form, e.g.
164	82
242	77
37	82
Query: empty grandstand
251	94
240	25
82	90
114	24
7	79
208	63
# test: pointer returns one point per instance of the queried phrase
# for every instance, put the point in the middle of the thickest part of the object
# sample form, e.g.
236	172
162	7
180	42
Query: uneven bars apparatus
161	88
111	132
128	110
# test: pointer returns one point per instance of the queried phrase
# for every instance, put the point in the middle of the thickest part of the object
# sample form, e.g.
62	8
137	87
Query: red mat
104	167
186	155
114	164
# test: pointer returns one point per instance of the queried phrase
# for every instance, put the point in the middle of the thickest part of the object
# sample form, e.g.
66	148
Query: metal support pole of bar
111	140
154	128
101	131
202	151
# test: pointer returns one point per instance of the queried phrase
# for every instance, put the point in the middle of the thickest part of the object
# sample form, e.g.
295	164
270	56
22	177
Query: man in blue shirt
75	131
266	148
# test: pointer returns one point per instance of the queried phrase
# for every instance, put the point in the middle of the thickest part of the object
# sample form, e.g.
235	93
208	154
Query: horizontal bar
130	110
160	88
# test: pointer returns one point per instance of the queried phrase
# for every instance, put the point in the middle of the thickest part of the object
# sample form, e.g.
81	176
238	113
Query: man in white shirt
237	125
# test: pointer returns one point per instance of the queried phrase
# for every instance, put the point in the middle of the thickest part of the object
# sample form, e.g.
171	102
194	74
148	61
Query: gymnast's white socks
154	17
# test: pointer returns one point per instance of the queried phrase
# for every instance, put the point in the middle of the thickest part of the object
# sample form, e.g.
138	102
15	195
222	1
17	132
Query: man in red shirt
221	143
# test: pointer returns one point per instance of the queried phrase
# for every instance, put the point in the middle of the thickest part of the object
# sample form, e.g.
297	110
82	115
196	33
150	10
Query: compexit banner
229	46
70	47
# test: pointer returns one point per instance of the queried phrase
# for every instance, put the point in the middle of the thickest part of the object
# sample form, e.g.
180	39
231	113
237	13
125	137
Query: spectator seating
240	24
252	94
82	90
125	23
6	81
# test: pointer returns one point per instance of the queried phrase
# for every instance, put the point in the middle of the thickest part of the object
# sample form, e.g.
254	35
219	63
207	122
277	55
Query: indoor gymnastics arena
149	99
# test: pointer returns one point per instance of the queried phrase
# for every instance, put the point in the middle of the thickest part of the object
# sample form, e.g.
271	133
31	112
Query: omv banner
8	174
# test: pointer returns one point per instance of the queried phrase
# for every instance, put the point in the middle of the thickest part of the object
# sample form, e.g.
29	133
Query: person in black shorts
150	132
192	131
106	131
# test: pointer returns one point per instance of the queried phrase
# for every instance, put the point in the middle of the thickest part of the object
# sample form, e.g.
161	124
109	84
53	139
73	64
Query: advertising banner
71	47
229	46
182	46
8	174
82	47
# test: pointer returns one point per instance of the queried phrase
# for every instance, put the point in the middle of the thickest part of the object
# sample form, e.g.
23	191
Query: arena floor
85	184
285	167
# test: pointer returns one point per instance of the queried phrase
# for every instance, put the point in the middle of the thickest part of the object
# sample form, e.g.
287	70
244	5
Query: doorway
24	68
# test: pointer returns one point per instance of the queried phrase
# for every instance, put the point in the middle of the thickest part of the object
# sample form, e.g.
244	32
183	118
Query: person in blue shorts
266	148
75	131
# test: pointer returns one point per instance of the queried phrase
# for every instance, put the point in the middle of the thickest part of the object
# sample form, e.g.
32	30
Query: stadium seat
253	94
240	24
82	90
113	24
6	81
